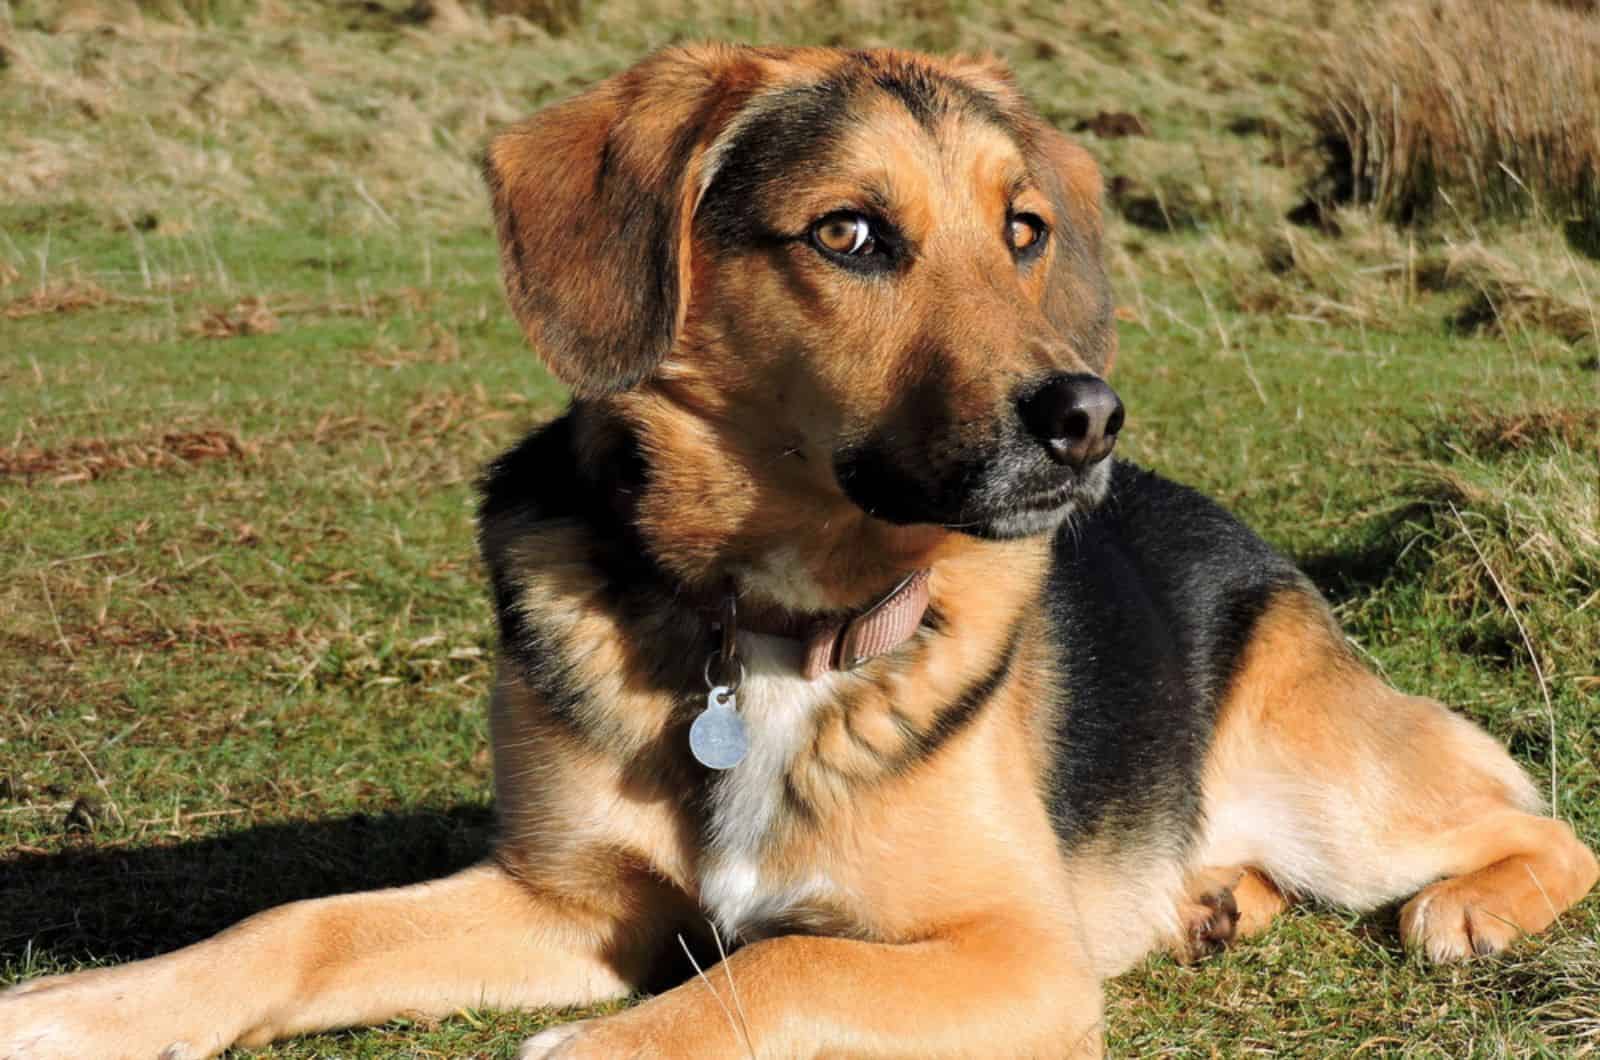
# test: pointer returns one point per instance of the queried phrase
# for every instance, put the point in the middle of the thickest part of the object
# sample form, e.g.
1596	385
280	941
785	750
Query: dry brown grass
65	297
250	316
1482	106
1507	298
1511	308
1490	433
95	458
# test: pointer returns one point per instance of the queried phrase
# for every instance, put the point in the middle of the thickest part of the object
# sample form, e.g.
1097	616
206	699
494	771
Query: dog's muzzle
1033	466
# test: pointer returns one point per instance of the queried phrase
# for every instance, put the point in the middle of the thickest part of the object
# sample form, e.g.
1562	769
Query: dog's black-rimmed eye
1026	234
851	239
844	233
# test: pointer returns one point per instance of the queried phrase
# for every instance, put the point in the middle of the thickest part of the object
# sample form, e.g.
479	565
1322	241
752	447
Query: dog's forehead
870	115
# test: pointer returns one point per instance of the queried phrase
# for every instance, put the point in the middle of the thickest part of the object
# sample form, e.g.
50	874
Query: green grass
253	352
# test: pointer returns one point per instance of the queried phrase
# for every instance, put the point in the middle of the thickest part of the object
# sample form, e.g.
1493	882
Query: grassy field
253	352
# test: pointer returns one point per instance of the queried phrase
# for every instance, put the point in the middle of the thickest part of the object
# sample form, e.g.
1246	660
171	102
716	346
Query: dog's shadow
103	902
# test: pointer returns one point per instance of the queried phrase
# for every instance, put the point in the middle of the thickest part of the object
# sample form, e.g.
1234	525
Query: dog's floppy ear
1078	299
593	200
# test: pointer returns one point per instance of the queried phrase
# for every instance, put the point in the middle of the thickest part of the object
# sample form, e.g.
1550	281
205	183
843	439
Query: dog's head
824	287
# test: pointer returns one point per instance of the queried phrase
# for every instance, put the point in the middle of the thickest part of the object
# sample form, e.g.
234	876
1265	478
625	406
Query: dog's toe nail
1217	930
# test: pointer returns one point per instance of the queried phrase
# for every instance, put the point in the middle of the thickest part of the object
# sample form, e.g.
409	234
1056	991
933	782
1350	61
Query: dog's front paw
98	1014
553	1042
641	1032
1209	922
592	1039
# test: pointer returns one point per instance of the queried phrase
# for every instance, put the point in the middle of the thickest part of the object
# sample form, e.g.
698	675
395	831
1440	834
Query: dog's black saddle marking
1152	598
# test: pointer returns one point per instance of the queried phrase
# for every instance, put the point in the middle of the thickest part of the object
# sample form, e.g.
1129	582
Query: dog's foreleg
478	938
987	988
1223	906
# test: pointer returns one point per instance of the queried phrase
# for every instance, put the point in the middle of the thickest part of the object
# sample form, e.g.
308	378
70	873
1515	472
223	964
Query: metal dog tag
717	738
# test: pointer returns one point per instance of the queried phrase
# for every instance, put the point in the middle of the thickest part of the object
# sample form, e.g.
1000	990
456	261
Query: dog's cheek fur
1078	298
715	507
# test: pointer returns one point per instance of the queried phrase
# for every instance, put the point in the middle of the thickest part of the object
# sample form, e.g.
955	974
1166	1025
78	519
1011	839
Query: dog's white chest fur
779	710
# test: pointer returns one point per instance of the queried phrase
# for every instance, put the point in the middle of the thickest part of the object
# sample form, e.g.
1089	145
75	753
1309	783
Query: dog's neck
814	568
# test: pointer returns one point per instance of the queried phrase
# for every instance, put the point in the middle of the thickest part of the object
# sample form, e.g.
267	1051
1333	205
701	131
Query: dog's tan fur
896	879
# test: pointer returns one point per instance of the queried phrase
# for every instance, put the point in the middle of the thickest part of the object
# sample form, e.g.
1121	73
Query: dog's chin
1009	526
1041	513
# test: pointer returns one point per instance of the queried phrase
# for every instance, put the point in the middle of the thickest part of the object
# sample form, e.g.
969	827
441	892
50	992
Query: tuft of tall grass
1481	106
1507	529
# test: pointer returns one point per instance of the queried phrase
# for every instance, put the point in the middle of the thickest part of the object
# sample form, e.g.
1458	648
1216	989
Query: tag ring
728	652
738	677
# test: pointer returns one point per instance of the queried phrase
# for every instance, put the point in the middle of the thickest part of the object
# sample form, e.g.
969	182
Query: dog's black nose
1075	417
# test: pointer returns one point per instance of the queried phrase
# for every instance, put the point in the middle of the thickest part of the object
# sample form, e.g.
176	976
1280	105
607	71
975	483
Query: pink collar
840	642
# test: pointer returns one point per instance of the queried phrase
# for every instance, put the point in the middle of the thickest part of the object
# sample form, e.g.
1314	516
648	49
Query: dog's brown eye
844	233
1024	231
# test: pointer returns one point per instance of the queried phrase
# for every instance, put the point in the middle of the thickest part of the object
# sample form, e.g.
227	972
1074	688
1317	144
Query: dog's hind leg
1338	787
1507	874
478	938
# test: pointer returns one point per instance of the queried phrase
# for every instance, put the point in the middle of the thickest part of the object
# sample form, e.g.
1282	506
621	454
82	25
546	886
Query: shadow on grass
1363	566
126	903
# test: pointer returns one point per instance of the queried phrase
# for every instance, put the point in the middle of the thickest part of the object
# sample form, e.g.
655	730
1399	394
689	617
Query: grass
1438	106
254	351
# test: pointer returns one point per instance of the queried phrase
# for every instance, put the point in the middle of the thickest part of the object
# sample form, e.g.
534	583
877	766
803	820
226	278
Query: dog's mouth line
1049	500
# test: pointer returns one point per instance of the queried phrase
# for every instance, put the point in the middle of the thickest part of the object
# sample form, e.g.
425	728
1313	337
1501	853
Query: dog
832	632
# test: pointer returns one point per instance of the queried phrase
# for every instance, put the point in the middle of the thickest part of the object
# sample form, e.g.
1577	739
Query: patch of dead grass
430	416
1374	275
372	659
1505	309
442	347
67	296
1479	106
249	316
1505	297
193	636
95	458
1492	433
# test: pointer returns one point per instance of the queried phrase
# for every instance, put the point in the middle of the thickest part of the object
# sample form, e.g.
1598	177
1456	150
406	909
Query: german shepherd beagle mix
829	625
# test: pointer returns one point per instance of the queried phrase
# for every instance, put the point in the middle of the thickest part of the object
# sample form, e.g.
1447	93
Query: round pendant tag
717	738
